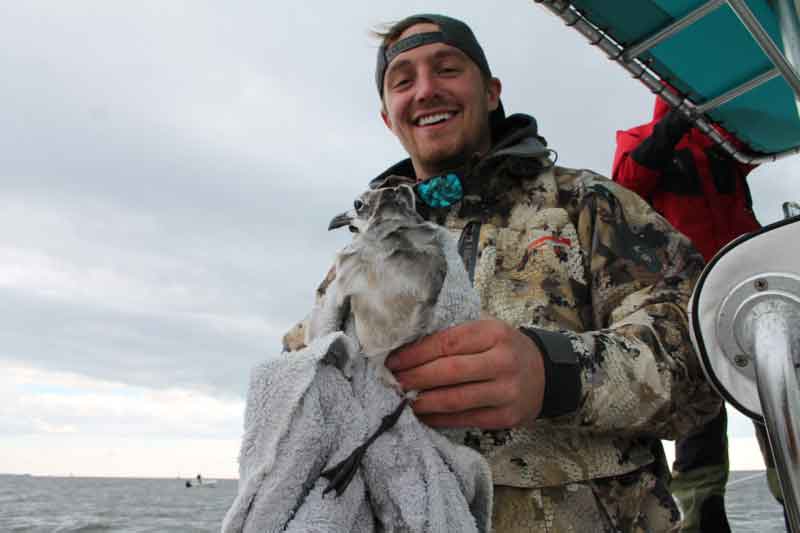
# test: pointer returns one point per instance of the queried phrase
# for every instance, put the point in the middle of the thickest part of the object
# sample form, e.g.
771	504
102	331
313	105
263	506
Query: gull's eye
358	204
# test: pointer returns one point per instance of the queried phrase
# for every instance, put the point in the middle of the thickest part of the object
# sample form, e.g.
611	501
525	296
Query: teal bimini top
710	57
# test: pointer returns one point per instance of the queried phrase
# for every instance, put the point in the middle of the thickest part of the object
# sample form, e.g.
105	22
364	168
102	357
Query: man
583	360
703	193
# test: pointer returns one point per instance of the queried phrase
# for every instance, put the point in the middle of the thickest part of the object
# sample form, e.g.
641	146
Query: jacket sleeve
630	174
639	373
639	160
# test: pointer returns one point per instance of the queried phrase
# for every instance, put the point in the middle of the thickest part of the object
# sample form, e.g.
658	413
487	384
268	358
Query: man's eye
402	82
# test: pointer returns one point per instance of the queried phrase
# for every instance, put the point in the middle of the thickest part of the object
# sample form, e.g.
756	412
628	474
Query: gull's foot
340	475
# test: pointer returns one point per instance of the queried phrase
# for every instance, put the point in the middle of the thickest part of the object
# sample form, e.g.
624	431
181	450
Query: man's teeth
433	119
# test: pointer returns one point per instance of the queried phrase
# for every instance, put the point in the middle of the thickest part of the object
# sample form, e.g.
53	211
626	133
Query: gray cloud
168	170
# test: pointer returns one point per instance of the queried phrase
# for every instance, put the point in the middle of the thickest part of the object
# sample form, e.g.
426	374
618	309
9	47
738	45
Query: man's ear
493	90
386	119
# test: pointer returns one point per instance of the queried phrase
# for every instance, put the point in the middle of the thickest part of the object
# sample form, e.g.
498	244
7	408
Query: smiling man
583	360
437	102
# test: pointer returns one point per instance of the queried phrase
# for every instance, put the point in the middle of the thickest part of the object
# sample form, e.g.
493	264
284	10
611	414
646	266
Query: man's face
437	104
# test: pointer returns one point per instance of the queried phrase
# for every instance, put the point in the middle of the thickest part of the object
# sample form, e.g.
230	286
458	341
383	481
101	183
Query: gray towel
304	415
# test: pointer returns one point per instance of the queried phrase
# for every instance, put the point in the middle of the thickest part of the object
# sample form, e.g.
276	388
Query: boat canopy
731	61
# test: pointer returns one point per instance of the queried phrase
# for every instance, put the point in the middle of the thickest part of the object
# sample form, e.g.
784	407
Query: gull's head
377	205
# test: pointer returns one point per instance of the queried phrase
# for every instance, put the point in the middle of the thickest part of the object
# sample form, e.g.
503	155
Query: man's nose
427	87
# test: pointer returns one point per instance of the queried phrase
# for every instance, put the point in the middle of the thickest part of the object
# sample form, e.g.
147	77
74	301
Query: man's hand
482	374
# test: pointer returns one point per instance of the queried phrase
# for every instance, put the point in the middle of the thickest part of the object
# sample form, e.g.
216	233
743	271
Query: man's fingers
462	398
468	338
449	370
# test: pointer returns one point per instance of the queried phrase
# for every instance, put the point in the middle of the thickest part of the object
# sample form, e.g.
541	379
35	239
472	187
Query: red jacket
699	191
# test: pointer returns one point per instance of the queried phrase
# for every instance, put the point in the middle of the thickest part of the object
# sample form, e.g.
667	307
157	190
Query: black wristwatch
562	384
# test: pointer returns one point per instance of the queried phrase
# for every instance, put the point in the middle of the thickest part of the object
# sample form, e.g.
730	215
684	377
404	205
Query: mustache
433	104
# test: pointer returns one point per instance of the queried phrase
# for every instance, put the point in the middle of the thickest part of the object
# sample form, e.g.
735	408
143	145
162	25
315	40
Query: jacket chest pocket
534	274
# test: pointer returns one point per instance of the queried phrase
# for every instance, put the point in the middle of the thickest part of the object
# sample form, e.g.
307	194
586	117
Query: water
51	504
750	505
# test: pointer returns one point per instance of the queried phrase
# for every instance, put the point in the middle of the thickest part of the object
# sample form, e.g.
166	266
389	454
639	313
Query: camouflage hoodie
573	253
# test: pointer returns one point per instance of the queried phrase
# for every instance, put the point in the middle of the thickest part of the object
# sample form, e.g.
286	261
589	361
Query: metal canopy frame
629	59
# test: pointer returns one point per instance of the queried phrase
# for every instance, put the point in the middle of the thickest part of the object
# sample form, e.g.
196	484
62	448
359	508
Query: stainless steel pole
773	325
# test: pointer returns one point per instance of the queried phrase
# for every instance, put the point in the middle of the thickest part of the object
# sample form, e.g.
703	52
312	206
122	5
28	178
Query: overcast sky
167	173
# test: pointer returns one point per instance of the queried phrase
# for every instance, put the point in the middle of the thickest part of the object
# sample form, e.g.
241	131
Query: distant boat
199	482
206	483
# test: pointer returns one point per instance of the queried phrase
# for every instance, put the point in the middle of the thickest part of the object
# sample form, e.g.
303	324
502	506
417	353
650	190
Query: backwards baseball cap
451	32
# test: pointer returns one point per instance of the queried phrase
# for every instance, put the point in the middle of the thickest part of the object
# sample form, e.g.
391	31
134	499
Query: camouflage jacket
572	252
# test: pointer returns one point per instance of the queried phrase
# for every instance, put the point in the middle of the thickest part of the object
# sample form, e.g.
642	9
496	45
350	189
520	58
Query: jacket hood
517	135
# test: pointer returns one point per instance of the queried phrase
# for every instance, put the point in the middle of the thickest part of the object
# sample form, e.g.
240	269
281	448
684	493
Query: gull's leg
340	475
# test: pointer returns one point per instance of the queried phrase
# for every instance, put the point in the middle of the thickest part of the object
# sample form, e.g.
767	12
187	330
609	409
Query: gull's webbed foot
340	475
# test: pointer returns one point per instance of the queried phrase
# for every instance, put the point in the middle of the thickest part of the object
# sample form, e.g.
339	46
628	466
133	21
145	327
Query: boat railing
745	316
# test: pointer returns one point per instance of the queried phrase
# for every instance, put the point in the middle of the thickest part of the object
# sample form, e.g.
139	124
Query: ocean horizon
40	503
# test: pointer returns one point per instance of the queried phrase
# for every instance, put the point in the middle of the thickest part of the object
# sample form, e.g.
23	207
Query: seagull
401	278
388	280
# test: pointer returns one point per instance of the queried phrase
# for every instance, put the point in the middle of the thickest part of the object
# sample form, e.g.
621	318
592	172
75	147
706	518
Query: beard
441	159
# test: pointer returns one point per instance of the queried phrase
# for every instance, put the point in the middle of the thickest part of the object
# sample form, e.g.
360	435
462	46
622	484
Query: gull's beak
342	219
